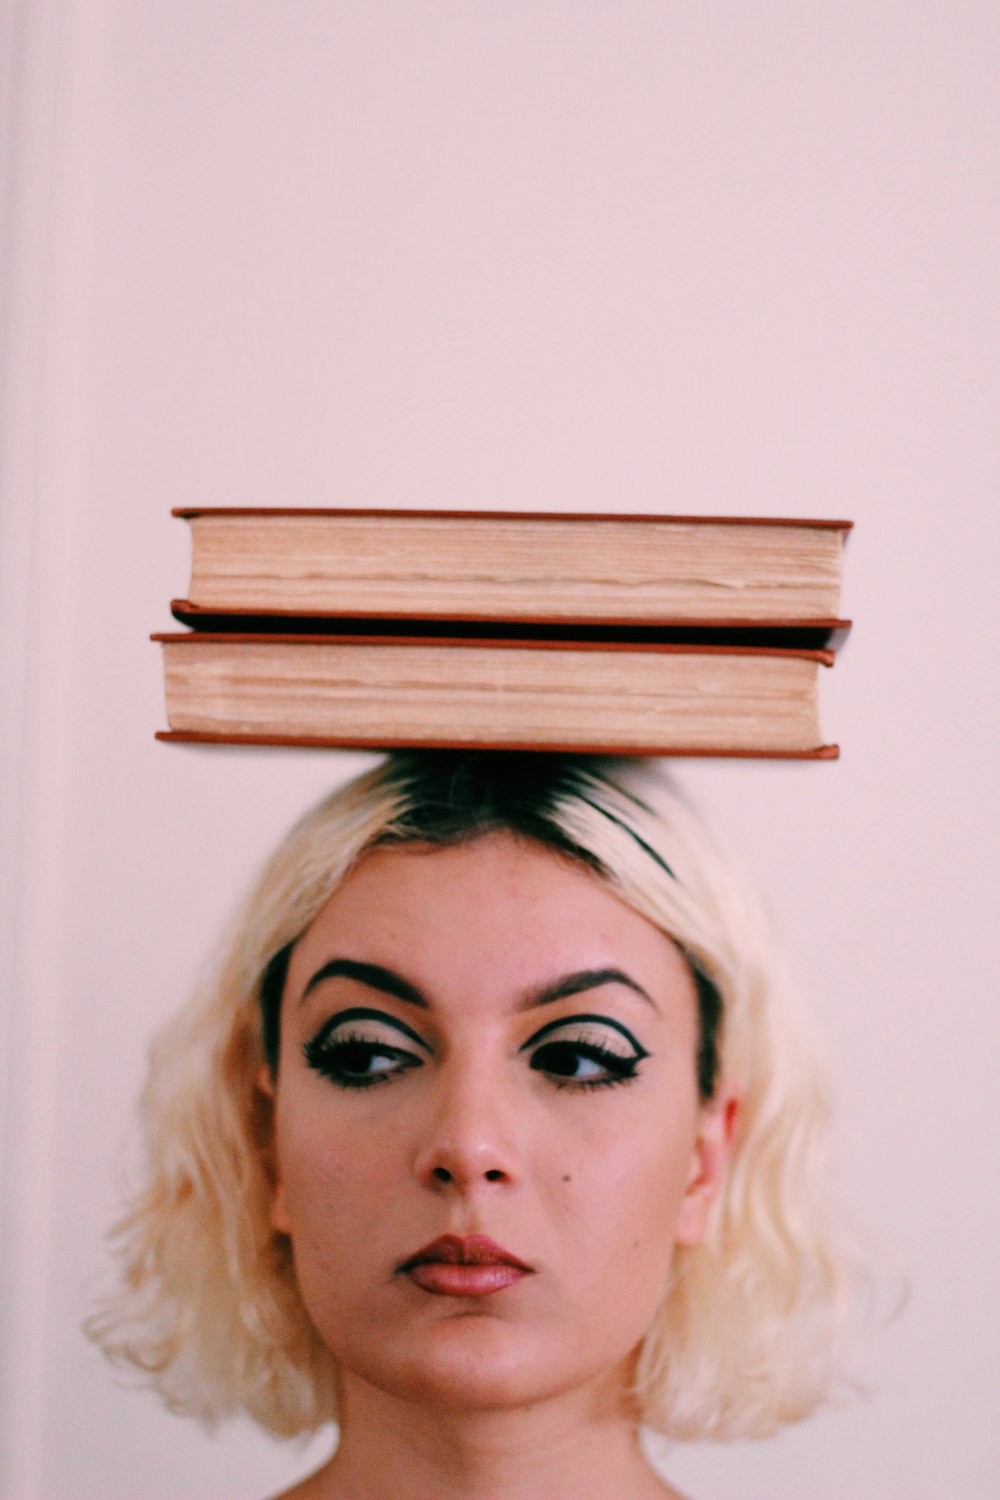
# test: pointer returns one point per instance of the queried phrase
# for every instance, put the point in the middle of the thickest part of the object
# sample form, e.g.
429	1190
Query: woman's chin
464	1363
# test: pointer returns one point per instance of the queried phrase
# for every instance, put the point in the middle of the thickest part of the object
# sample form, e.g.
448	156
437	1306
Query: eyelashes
362	1048
355	1061
587	1051
583	1064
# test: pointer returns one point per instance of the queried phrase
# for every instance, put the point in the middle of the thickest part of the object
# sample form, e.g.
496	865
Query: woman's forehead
498	875
497	912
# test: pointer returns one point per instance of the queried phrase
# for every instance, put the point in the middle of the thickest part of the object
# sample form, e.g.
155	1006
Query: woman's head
480	1042
565	988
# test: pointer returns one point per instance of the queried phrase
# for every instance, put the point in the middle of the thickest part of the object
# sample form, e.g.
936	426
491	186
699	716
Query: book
615	697
255	568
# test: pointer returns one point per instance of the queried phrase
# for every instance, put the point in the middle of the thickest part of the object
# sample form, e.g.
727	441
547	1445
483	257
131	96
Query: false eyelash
593	1044
324	1043
322	1054
621	1069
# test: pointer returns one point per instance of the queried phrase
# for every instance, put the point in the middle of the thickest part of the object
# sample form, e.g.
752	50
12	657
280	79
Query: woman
496	1135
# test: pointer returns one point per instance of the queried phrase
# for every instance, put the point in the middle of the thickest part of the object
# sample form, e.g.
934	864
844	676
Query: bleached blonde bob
749	1332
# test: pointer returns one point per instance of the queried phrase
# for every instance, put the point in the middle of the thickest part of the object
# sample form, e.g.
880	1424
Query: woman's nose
471	1137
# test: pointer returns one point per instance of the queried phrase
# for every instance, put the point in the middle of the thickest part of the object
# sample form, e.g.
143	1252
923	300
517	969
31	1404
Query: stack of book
659	635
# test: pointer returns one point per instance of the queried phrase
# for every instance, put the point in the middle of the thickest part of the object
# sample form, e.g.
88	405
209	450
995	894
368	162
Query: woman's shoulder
310	1488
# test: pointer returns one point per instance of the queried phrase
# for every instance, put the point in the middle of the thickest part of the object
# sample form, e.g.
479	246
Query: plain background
634	255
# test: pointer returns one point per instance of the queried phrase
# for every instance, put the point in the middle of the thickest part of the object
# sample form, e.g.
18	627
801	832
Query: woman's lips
463	1281
470	1266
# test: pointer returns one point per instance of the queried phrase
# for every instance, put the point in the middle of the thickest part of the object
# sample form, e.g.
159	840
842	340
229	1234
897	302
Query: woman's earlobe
279	1211
709	1164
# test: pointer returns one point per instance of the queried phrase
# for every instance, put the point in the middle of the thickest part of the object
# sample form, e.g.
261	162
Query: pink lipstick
469	1266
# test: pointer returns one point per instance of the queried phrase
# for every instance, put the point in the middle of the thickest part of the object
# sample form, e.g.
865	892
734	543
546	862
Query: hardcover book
616	697
257	566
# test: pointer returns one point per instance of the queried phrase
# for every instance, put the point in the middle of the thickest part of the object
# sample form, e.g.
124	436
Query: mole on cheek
568	1178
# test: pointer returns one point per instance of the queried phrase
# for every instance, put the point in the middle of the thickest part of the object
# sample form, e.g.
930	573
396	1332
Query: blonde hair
748	1334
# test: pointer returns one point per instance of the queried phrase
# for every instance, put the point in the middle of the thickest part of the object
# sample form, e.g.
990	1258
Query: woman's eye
357	1063
583	1064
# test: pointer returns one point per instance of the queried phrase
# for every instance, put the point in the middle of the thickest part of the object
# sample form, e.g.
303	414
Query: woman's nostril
494	1175
442	1174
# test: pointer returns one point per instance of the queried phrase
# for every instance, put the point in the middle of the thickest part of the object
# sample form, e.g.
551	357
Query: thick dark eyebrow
584	979
373	975
376	977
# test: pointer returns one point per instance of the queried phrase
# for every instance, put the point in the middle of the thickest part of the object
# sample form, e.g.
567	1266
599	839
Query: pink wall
634	255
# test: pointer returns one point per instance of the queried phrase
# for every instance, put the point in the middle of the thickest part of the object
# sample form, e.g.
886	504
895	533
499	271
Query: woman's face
488	1135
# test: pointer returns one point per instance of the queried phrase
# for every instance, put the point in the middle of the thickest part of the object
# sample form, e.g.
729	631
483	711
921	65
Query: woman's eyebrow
372	975
376	977
583	979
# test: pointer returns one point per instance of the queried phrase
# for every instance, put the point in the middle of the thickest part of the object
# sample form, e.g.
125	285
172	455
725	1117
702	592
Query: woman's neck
582	1444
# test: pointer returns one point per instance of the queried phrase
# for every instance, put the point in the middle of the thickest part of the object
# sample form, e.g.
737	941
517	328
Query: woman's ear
709	1162
279	1212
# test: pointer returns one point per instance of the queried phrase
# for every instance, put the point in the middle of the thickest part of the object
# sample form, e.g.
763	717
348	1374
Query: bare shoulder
667	1492
659	1489
315	1486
